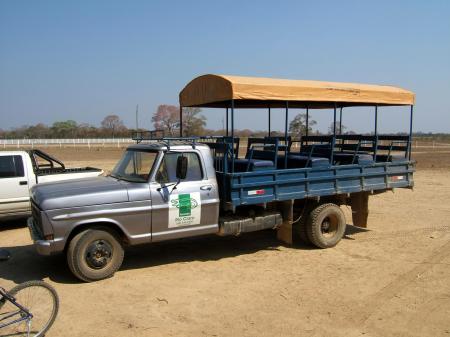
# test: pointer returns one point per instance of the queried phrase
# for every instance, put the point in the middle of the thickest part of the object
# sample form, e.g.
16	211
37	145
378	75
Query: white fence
65	142
88	142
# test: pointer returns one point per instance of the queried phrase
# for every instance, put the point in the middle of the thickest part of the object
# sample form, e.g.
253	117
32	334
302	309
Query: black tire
326	225
41	300
95	254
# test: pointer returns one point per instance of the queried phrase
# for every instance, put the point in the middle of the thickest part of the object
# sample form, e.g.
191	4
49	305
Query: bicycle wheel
41	300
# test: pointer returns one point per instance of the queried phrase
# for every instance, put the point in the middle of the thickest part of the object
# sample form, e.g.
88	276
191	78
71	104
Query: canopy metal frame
231	108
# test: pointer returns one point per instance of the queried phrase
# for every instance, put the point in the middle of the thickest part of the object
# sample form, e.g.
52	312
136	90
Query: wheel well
338	199
111	227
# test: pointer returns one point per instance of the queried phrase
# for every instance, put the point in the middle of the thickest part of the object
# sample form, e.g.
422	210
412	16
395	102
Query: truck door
14	193
188	208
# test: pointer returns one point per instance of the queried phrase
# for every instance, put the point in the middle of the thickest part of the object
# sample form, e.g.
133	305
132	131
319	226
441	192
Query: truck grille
37	219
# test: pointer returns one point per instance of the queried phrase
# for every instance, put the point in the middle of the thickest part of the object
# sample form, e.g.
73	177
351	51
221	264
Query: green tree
64	129
193	123
297	127
38	131
338	132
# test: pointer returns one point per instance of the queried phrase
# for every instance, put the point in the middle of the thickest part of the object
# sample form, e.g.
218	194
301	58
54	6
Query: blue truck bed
256	187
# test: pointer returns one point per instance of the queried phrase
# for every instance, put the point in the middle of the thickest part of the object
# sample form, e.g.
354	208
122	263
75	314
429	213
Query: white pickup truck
20	170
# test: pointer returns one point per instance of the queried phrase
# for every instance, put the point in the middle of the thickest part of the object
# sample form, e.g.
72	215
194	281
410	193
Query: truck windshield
135	166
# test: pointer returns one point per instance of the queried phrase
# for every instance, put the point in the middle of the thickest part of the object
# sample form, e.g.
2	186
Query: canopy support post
410	133
340	121
181	121
286	135
376	120
375	145
269	122
226	115
307	123
333	141
232	135
334	120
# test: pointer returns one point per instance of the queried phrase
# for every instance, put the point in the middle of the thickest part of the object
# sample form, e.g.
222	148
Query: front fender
131	219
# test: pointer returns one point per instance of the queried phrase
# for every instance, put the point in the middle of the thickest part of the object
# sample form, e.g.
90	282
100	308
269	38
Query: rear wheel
326	225
95	254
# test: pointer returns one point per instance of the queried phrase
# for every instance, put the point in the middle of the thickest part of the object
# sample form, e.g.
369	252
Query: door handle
23	182
206	187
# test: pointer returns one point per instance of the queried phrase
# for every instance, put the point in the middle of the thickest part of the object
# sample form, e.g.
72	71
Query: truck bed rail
242	188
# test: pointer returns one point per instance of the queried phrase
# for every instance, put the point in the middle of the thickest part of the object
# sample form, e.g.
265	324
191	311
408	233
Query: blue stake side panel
257	187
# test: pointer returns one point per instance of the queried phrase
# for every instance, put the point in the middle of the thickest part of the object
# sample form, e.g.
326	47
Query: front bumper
43	247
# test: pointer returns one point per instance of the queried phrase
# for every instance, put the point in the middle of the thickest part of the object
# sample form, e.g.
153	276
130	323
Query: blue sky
83	60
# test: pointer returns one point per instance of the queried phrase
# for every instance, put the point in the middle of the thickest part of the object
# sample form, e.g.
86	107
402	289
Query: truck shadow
207	248
352	230
13	224
25	264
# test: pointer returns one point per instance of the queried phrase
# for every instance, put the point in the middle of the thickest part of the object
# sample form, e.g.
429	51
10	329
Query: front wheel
95	254
326	225
40	300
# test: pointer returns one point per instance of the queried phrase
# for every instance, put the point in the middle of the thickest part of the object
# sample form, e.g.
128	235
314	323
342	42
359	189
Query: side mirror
182	164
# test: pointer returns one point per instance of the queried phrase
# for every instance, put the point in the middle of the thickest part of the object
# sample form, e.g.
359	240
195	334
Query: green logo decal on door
184	209
184	204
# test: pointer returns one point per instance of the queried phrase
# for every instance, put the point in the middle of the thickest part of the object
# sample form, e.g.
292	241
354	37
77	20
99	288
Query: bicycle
28	309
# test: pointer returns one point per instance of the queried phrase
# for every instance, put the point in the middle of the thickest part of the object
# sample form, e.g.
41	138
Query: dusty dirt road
390	280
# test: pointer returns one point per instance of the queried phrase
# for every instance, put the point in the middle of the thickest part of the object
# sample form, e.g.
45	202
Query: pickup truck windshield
135	166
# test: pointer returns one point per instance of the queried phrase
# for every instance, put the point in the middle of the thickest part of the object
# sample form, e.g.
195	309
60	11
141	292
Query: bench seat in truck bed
300	161
343	158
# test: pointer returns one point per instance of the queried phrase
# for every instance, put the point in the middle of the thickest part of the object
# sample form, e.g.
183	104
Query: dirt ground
390	280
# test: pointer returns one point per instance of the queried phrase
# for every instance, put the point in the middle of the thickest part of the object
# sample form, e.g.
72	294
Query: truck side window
11	167
167	170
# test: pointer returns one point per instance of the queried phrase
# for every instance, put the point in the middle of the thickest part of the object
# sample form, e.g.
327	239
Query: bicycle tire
22	293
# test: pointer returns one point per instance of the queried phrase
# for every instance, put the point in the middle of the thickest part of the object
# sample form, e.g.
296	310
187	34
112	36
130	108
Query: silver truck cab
143	200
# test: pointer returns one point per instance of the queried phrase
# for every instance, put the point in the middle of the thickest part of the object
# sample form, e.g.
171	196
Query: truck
169	188
21	170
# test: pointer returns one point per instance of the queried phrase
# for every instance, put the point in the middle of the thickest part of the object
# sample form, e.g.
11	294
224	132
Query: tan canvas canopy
258	92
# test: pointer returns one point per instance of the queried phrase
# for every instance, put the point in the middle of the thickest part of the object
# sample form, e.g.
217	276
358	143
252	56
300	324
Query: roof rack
152	135
158	136
139	136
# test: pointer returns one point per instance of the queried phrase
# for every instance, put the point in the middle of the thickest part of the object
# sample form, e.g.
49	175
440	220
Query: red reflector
257	192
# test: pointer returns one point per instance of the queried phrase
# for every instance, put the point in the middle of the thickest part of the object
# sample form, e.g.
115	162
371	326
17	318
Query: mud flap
284	232
360	208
